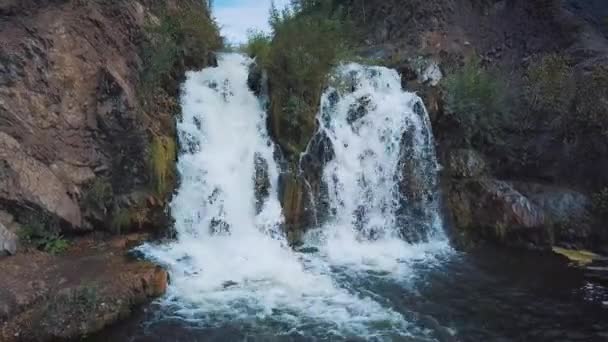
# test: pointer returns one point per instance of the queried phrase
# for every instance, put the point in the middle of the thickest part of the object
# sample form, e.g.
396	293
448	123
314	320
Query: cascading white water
230	263
377	133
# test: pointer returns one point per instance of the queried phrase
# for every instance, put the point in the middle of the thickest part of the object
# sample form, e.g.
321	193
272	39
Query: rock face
76	143
70	115
44	297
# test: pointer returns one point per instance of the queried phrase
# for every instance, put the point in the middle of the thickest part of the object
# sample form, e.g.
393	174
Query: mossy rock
577	257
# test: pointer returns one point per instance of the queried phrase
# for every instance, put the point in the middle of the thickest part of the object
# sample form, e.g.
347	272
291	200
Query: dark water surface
486	295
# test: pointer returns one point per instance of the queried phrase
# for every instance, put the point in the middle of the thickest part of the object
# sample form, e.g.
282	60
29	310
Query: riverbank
90	286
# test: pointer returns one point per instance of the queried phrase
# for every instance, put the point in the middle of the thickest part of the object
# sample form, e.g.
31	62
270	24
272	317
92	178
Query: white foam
249	273
366	172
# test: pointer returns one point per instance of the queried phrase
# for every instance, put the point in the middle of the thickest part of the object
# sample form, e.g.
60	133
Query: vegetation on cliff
177	38
478	101
309	38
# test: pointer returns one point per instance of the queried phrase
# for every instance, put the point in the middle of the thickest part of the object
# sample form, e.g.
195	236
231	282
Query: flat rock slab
45	297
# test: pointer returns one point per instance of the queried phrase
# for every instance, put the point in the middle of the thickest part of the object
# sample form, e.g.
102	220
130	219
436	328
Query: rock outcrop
83	116
72	117
45	297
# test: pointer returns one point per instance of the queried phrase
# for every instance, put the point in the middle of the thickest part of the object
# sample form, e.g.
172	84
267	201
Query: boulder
25	181
561	205
494	206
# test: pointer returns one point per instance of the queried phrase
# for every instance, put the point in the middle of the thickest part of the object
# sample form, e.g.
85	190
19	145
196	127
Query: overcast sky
237	16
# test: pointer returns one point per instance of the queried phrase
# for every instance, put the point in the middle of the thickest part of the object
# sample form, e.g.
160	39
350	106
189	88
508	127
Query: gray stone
8	241
560	205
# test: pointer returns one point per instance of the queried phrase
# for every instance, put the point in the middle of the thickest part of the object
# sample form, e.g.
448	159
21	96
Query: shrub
600	202
258	46
121	220
162	158
42	233
310	38
550	84
99	194
187	32
477	100
592	100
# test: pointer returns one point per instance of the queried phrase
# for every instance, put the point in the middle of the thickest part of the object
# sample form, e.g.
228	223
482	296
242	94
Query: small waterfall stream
230	264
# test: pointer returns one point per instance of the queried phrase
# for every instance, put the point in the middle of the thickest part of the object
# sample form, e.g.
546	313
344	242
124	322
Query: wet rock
359	109
494	208
261	182
256	79
297	206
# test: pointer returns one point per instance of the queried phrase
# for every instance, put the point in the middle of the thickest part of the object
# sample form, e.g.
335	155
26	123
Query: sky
237	16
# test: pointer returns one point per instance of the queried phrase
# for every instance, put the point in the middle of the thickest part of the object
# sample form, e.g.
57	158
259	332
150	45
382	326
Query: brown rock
494	206
44	297
26	180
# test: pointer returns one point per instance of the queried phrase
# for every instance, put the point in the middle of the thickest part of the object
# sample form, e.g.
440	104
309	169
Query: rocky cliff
531	175
87	141
516	94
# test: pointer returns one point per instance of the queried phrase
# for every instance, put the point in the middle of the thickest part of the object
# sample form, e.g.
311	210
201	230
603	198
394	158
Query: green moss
477	100
578	257
163	154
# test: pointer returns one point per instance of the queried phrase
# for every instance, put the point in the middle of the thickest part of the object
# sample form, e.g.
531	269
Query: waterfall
231	265
380	170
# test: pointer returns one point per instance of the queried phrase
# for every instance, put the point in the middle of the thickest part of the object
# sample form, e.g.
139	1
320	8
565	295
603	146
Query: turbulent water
377	267
382	178
231	263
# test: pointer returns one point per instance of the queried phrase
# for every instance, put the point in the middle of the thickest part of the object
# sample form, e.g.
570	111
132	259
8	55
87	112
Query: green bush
600	202
121	220
310	38
592	100
550	84
42	234
258	46
99	194
187	32
477	100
